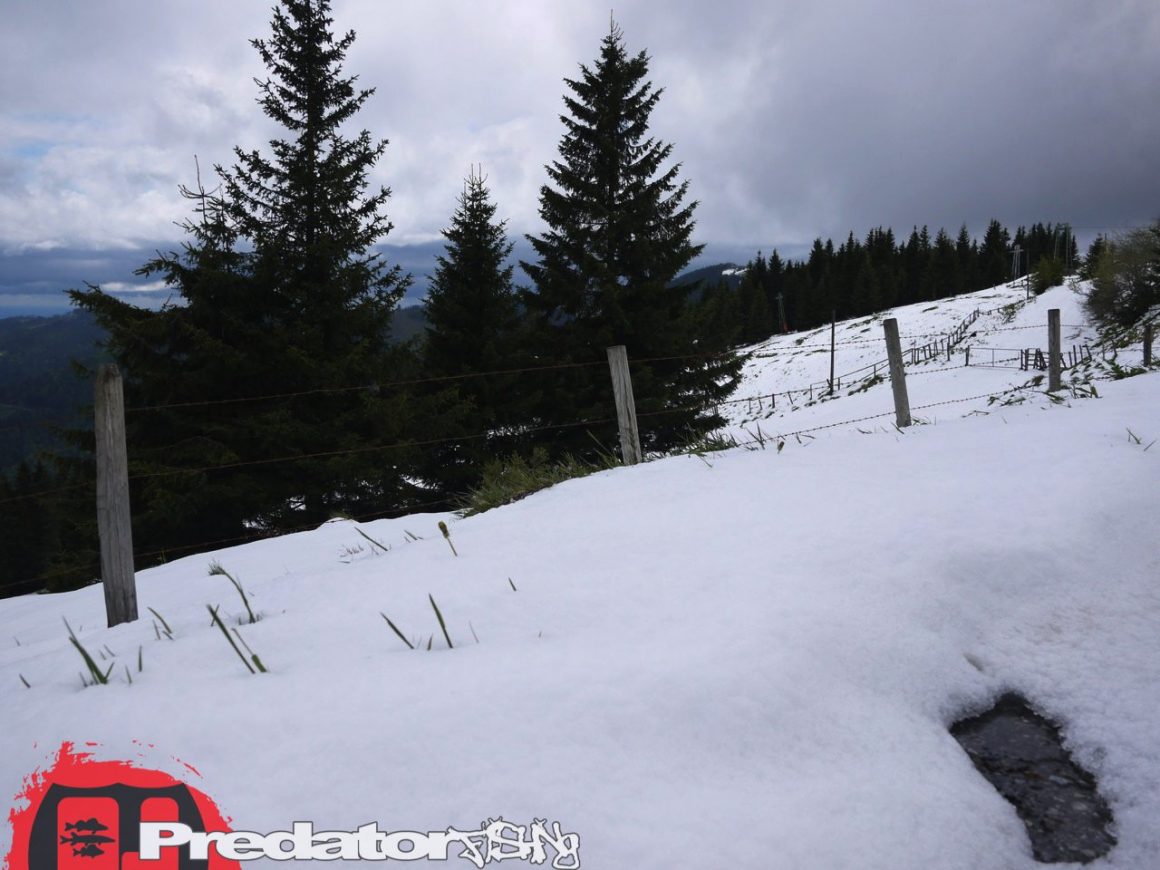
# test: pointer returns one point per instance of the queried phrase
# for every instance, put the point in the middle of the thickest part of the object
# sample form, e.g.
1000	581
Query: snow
796	367
746	659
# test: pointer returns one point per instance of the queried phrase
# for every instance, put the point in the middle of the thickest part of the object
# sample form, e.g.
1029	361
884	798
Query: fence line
419	381
926	352
1033	357
318	455
46	423
443	501
873	417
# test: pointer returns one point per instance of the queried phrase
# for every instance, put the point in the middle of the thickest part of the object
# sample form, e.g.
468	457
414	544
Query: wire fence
913	354
177	551
943	344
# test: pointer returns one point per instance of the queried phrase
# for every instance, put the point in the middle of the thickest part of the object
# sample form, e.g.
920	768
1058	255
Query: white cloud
790	120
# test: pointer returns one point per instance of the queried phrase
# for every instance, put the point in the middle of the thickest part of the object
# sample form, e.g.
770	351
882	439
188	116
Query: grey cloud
791	119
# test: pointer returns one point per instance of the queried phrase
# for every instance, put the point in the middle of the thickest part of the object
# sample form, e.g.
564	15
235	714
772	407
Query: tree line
861	277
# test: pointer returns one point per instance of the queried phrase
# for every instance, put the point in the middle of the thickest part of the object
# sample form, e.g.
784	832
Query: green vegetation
216	570
1049	272
97	676
253	664
1125	277
507	481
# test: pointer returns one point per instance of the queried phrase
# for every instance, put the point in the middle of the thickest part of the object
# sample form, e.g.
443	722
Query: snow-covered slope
790	372
742	660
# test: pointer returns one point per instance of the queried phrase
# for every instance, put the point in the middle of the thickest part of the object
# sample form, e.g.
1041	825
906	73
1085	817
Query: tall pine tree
619	232
281	295
473	327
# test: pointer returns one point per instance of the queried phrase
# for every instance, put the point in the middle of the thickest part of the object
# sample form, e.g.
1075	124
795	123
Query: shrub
1048	273
1126	278
510	480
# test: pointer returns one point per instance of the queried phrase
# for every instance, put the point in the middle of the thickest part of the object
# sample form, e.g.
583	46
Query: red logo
83	814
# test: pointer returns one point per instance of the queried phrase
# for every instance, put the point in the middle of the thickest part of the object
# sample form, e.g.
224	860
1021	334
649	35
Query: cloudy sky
792	119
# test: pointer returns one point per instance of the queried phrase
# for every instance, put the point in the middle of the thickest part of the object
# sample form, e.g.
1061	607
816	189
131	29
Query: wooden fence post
625	405
1148	343
1054	358
833	329
897	373
114	523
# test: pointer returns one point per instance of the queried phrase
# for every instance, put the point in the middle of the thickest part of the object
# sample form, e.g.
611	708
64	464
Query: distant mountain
730	273
408	322
38	386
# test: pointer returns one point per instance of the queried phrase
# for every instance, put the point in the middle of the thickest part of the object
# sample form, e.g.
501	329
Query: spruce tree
618	233
474	321
968	255
943	275
995	255
756	316
281	295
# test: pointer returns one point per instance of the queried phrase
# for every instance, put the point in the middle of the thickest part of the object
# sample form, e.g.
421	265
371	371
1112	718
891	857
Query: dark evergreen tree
884	258
775	291
995	256
719	316
1091	261
757	318
619	232
281	295
916	260
1126	279
473	326
967	254
943	276
866	293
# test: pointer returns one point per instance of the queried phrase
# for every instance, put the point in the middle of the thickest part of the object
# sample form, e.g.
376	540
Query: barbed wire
46	424
806	431
446	500
328	454
860	341
417	382
1038	326
46	492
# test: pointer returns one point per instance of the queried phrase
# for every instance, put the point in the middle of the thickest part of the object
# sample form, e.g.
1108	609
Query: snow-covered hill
794	369
747	659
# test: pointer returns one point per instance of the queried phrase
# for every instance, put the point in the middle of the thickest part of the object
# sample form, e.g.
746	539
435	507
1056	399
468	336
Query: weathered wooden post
833	329
1054	358
897	374
625	405
114	523
1148	343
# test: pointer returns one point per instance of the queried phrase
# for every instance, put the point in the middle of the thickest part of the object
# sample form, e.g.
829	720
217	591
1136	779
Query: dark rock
1021	754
